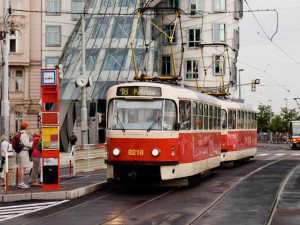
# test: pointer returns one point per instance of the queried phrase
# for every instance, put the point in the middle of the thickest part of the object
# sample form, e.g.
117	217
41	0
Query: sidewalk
70	186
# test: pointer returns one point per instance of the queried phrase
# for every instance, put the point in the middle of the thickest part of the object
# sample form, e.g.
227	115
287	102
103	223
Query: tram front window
125	114
295	129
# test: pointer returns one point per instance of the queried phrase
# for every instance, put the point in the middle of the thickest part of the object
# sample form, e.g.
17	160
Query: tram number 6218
135	152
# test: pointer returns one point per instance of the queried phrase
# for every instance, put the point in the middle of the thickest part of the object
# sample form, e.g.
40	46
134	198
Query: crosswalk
9	212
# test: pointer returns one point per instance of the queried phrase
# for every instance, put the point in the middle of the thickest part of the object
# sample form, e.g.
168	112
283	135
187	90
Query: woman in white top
5	147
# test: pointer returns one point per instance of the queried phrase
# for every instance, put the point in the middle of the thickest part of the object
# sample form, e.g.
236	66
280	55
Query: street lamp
240	83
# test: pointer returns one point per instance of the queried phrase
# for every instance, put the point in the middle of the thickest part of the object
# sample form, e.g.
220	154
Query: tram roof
172	92
238	105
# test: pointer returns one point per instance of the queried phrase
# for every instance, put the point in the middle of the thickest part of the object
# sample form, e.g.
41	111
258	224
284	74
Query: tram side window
245	120
170	115
249	120
238	119
242	119
185	115
232	119
215	117
211	117
200	116
254	120
195	113
219	118
205	118
224	119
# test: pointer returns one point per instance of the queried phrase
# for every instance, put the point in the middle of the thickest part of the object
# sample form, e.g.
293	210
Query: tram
294	134
164	133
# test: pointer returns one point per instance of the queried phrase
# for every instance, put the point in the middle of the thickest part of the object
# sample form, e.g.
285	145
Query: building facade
24	63
205	43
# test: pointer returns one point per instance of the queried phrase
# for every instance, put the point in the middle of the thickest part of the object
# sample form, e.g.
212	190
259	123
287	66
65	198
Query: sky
275	61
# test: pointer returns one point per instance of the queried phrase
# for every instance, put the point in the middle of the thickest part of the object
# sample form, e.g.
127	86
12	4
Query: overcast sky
276	63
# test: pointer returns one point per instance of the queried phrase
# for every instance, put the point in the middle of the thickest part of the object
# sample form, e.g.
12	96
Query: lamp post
270	119
240	94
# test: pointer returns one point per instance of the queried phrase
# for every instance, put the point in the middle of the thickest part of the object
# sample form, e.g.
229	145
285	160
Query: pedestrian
36	158
72	140
23	156
5	147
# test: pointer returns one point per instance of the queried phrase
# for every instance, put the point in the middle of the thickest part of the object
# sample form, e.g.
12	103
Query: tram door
102	120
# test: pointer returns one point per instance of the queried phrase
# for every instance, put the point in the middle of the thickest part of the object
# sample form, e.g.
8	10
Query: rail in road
246	194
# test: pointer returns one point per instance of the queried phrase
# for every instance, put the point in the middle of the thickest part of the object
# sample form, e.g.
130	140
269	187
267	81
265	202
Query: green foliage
278	123
263	118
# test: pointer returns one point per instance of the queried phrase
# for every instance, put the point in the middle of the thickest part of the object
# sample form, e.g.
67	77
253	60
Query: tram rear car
294	134
161	133
239	133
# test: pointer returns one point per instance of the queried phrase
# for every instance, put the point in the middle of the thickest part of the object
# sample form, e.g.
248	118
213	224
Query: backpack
16	143
39	145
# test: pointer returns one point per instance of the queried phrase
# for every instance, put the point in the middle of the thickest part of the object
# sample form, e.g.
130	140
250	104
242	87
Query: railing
87	158
272	137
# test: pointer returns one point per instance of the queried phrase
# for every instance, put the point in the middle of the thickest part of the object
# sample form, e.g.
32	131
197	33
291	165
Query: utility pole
240	94
5	101
84	124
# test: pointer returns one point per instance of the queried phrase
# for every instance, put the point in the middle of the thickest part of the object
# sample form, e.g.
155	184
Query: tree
288	115
263	118
277	124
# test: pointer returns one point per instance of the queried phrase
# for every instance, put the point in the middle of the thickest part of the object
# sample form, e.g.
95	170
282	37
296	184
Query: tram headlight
155	152
116	152
294	139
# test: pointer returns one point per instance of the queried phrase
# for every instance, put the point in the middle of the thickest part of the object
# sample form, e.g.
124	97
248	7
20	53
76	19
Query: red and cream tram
166	133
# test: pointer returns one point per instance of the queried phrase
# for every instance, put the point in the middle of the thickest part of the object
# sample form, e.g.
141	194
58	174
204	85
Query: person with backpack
23	156
36	158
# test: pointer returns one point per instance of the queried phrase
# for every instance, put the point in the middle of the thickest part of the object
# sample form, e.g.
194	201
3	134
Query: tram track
125	204
233	187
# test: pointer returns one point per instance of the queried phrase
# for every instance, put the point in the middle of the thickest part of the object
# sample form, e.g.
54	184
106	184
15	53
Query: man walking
72	140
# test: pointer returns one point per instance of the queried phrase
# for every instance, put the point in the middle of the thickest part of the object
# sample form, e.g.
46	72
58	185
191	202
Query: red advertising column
50	128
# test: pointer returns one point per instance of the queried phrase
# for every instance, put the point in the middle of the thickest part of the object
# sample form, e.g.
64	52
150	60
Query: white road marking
9	212
296	154
280	154
262	154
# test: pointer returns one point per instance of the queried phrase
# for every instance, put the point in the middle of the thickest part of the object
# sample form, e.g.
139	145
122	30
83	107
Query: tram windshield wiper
119	122
154	122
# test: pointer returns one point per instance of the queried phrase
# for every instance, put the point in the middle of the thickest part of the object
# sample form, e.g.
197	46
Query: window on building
53	36
219	32
91	56
196	7
173	3
114	59
194	37
169	29
14	41
100	27
219	65
122	28
125	3
108	3
238	9
19	119
192	69
19	81
18	6
51	62
139	59
53	7
77	7
236	39
166	65
220	5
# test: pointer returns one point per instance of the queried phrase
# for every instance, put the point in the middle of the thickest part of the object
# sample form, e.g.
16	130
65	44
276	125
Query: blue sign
49	77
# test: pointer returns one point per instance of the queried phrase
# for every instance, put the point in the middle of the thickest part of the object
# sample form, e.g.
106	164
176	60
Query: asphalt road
263	190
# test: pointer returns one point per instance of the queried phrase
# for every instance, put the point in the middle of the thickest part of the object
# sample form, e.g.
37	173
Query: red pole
6	182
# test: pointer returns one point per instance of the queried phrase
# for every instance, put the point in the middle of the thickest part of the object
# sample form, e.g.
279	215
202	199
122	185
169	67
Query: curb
55	195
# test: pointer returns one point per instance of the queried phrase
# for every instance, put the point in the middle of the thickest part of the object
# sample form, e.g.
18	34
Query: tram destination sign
139	91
